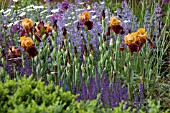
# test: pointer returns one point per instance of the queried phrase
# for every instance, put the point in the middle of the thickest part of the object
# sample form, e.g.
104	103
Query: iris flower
85	18
27	43
41	29
115	26
27	24
13	52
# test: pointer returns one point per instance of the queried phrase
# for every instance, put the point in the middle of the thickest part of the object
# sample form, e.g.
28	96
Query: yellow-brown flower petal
22	38
114	21
85	16
26	42
27	24
12	51
142	34
130	38
48	28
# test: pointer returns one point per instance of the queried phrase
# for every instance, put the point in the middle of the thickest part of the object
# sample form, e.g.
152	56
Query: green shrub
28	95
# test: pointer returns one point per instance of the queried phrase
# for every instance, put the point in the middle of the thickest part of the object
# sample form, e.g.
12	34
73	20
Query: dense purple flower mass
111	93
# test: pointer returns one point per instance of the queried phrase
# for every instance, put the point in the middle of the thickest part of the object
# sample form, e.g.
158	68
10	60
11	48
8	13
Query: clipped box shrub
29	96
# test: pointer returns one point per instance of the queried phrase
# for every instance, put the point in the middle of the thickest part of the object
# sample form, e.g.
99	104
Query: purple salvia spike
119	89
141	92
68	89
60	83
105	89
84	91
95	89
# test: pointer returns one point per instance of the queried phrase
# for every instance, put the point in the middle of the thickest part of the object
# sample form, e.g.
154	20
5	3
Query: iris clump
90	49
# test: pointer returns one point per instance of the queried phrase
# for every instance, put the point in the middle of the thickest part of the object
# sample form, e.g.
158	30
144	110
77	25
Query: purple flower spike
84	91
141	92
119	89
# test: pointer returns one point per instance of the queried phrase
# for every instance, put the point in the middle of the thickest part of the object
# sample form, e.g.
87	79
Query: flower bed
90	49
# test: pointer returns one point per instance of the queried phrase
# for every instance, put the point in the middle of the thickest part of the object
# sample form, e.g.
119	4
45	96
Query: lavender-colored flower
15	28
141	92
165	1
54	18
65	5
136	101
159	10
49	1
119	89
84	91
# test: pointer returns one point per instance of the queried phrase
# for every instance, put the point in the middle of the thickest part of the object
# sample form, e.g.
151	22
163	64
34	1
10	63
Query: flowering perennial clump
42	28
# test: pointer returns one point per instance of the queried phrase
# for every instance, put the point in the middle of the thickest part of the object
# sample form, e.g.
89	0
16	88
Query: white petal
15	0
102	3
93	17
44	11
1	11
81	3
38	7
16	22
9	25
22	14
68	24
48	16
55	10
126	21
7	11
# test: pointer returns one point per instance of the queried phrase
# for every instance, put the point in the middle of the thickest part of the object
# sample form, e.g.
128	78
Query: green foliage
154	108
4	4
